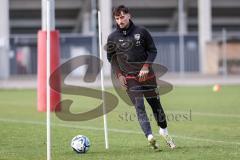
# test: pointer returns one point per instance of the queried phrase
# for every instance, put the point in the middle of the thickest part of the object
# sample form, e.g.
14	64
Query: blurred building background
192	36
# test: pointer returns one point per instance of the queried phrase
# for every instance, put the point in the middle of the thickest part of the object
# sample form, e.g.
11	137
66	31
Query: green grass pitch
204	124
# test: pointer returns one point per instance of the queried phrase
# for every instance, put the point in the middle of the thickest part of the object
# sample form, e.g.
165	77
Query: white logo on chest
137	38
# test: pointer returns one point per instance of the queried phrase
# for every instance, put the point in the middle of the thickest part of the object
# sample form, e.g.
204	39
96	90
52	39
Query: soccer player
132	51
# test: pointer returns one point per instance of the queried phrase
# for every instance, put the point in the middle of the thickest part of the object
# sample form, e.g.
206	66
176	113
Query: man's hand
123	81
143	73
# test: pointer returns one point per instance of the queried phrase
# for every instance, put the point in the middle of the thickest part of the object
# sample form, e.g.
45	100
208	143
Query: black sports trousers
148	89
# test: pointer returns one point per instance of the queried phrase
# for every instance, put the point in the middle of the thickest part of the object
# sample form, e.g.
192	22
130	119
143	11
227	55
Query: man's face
122	20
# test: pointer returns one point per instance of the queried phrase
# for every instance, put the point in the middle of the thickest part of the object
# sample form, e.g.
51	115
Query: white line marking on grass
206	140
205	114
216	115
112	130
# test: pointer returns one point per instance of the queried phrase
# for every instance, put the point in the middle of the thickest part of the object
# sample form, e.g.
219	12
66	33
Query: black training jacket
128	49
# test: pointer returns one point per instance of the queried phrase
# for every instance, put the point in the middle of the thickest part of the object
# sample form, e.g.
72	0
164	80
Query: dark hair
117	11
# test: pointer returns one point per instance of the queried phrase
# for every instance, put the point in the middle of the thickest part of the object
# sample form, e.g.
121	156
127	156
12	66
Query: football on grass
80	144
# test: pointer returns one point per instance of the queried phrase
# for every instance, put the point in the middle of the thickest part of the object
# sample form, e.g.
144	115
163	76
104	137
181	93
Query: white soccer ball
80	144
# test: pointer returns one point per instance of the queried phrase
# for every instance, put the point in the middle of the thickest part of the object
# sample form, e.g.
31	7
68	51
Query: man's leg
136	97
160	117
158	111
143	120
152	95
